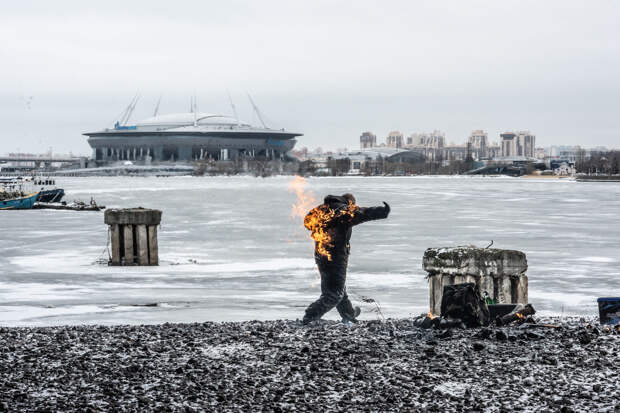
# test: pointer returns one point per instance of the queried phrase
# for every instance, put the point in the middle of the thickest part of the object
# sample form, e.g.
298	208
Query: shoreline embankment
567	364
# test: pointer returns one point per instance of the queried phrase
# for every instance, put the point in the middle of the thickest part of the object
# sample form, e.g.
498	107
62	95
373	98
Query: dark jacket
340	227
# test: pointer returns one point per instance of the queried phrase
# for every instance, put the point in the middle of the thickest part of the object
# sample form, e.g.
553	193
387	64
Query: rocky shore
283	366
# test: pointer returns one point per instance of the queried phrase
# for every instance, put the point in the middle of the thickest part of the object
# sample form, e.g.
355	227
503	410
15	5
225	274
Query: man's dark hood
335	201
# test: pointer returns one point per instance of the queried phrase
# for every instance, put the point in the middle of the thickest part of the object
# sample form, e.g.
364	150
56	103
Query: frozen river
230	250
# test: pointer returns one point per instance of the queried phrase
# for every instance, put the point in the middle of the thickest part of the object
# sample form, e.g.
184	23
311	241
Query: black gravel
283	366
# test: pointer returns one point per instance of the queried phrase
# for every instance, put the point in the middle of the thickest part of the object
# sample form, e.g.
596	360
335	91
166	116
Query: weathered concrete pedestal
133	236
499	273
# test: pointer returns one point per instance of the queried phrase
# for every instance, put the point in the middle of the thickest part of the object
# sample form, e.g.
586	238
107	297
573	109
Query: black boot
356	312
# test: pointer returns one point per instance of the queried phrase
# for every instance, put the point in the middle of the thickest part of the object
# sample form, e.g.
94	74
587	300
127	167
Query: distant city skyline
328	70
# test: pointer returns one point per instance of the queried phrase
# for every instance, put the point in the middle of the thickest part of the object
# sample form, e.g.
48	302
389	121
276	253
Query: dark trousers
333	290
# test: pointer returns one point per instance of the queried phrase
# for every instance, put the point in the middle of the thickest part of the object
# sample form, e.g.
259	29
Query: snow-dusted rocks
387	366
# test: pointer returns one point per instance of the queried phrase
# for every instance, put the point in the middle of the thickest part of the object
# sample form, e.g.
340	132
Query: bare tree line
334	167
606	163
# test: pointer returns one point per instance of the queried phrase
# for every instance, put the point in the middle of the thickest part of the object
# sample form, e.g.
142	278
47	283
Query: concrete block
499	272
521	289
153	247
132	216
115	244
436	288
134	236
142	244
487	283
505	290
128	244
474	261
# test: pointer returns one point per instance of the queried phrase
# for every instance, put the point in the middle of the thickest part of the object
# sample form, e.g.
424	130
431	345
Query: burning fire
318	222
430	315
521	316
315	222
318	219
305	199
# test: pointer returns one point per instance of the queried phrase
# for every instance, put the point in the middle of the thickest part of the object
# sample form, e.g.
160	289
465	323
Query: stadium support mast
157	106
194	110
257	111
129	110
234	109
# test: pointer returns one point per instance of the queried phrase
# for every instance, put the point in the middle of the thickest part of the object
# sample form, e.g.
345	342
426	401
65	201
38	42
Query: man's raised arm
370	214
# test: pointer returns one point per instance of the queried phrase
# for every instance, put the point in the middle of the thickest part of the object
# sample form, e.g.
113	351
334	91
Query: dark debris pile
281	366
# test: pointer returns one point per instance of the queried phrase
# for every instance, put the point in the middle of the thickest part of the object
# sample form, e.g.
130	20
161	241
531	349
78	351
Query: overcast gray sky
328	69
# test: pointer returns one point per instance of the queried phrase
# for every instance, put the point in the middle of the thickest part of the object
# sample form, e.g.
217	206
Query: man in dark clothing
331	224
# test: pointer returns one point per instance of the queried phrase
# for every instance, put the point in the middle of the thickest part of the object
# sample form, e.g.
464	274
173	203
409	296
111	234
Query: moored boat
51	195
73	206
18	186
21	202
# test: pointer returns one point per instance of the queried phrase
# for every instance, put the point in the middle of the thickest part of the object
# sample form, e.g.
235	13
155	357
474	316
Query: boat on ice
73	206
51	195
19	187
13	195
48	192
20	202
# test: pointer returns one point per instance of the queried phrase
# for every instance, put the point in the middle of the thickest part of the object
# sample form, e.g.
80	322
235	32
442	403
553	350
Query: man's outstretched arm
370	214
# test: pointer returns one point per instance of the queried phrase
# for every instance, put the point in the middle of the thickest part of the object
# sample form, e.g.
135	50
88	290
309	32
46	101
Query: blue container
609	310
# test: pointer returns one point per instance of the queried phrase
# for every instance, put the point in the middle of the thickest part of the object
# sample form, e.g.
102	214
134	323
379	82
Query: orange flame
314	222
318	221
319	218
521	316
430	315
305	199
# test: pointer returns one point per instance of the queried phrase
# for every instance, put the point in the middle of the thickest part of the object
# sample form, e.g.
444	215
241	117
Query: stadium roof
186	119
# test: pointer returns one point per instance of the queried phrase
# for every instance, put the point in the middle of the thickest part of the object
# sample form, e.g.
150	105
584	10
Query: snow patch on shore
223	351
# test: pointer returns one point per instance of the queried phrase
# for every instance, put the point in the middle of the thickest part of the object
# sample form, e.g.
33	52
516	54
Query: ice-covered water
229	249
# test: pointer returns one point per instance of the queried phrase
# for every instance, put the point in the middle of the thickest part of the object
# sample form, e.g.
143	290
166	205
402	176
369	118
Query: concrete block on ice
498	272
134	216
133	233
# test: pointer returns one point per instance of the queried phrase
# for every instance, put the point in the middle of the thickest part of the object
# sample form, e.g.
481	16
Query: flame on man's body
316	219
305	199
